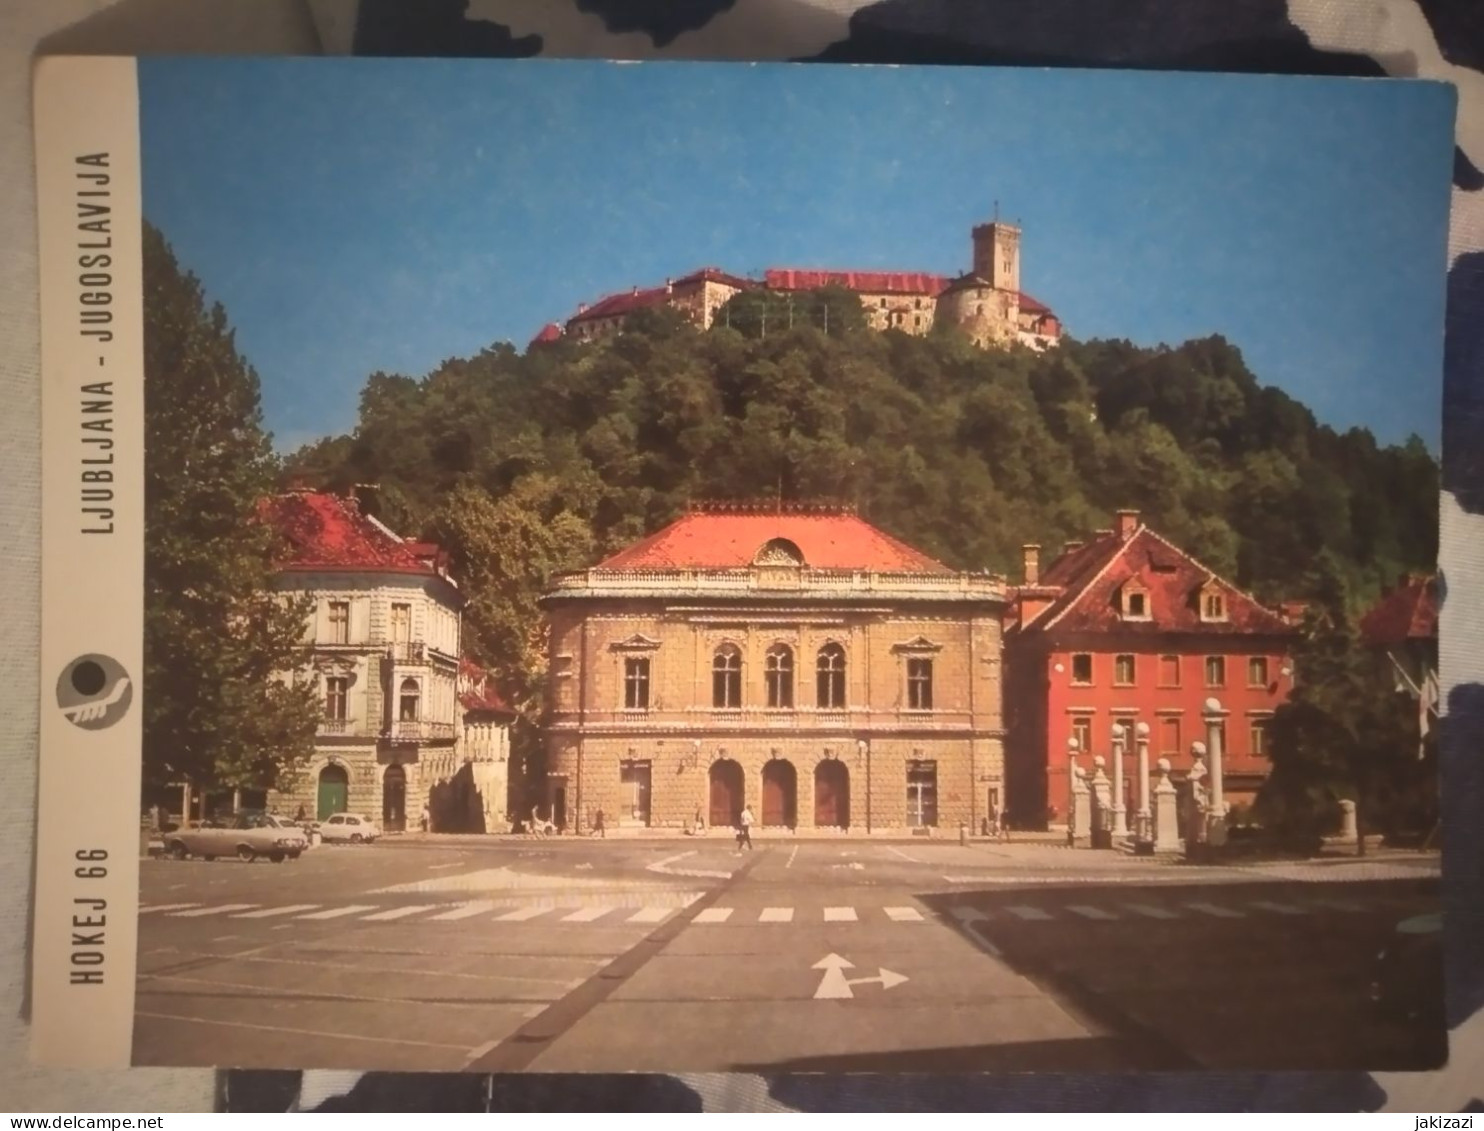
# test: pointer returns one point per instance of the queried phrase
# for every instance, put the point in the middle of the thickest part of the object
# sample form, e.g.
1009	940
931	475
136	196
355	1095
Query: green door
334	791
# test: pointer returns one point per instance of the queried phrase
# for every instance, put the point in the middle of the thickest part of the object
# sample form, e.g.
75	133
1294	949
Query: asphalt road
679	955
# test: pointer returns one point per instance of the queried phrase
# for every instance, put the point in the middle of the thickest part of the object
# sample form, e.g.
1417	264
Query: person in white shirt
744	829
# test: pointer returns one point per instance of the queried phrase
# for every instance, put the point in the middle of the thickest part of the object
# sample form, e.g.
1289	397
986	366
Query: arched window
726	677
778	675
410	701
830	671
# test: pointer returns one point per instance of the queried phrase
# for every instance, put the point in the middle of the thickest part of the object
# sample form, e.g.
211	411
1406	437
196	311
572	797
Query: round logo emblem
94	692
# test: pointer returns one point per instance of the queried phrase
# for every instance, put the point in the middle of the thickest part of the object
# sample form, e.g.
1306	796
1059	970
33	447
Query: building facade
796	660
986	303
385	633
1126	628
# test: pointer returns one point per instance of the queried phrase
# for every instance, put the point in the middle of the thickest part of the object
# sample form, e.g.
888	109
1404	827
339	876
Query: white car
246	836
347	827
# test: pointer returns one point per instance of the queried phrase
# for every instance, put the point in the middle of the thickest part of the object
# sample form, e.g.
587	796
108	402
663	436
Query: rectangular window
1169	671
1258	744
401	624
1082	732
1137	605
1082	667
336	689
920	685
1213	607
1257	671
1215	671
339	622
636	684
1123	670
1169	737
922	794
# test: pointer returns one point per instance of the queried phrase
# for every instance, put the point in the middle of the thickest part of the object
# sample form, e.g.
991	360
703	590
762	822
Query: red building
1129	628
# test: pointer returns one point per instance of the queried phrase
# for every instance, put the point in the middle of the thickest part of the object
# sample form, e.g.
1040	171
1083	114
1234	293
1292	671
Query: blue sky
359	215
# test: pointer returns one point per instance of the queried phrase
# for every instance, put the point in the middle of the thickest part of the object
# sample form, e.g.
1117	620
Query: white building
385	629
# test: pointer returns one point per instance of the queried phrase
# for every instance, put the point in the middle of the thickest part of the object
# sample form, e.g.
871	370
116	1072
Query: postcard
570	567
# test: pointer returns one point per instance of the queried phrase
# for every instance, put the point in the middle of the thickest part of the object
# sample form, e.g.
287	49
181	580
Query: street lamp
1216	819
1120	816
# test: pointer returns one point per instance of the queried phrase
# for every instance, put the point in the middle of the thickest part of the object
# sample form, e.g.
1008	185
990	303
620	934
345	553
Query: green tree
221	708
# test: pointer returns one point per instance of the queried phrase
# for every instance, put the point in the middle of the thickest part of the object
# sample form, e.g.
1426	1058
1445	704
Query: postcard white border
85	928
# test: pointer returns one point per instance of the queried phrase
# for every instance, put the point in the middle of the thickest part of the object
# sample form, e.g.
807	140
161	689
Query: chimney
1073	546
1032	552
636	290
669	286
582	308
1128	522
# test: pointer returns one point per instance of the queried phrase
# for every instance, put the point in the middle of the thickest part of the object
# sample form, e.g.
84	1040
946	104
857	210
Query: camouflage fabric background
1441	39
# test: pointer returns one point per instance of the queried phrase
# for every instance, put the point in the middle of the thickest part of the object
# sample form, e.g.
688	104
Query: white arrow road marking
1089	912
1216	910
340	912
270	912
834	983
776	915
903	914
840	915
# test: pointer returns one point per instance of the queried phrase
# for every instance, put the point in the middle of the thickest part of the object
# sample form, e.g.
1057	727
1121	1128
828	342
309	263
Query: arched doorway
780	794
394	800
726	793
334	791
832	794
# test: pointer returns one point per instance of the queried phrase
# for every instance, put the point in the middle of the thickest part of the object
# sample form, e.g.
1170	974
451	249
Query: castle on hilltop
986	303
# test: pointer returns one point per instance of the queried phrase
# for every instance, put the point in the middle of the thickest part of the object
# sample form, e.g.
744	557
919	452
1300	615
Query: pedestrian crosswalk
1226	906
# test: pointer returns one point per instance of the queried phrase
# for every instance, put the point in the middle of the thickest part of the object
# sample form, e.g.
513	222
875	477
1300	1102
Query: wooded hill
527	463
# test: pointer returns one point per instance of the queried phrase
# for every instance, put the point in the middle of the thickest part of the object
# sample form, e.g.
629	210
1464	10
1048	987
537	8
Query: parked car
1408	985
349	827
246	836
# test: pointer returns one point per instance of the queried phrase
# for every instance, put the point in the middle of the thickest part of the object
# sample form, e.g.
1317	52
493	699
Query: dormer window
1213	604
1135	602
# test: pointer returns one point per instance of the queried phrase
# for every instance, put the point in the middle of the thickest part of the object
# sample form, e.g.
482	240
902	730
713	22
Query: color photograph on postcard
708	567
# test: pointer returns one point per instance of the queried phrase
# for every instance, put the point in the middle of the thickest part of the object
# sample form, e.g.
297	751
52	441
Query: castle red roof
329	532
874	282
1408	612
1092	576
551	332
713	538
626	302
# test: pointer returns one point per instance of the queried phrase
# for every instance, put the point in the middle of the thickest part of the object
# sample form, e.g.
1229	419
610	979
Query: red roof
715	275
875	282
730	537
1091	578
329	532
613	306
551	332
1408	612
475	692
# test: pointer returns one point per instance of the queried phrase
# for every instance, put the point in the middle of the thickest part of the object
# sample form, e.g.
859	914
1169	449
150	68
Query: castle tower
997	254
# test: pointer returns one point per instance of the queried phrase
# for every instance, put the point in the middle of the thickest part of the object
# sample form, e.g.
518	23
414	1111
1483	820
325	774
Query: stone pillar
1143	819
1102	818
1349	828
1079	809
1216	818
1166	819
1120	817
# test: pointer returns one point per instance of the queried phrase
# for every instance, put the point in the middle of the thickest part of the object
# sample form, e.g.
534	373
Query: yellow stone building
797	660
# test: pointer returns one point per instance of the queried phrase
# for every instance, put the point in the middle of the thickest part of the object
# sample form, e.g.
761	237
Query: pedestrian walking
598	827
1004	829
744	829
426	820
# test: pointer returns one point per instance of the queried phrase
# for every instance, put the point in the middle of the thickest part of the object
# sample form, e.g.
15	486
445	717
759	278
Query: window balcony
407	652
334	727
419	731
